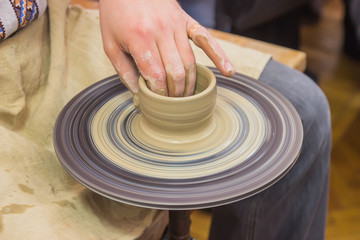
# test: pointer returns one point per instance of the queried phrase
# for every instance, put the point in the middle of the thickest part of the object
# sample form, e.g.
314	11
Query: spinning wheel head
252	139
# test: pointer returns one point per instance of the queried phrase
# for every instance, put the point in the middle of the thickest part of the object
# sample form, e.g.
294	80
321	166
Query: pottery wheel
256	138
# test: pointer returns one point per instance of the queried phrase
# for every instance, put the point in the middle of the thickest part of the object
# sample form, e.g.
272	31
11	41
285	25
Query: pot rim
199	68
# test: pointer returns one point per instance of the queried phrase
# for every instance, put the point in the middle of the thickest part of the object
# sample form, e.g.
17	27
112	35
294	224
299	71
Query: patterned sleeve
16	14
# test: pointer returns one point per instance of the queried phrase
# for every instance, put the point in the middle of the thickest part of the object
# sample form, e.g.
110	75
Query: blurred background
337	72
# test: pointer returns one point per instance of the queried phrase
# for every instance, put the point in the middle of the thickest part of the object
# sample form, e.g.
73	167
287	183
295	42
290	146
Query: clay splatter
26	189
15	208
65	203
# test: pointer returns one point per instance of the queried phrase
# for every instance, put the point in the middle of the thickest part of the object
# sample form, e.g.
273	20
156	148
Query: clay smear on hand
190	79
202	38
131	81
175	80
156	80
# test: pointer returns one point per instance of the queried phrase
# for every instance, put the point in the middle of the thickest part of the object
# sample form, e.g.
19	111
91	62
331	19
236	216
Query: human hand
151	37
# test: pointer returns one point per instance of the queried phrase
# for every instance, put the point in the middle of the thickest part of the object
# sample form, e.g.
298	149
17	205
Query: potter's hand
152	36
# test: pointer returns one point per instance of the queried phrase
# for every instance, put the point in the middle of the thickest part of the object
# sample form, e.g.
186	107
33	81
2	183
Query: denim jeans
295	207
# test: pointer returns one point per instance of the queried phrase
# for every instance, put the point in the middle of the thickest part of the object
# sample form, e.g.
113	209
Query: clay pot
175	116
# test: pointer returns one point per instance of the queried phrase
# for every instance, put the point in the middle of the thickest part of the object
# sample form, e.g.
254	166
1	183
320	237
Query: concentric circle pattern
254	139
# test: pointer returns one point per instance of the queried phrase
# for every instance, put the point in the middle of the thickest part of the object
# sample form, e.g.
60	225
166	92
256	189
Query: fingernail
229	68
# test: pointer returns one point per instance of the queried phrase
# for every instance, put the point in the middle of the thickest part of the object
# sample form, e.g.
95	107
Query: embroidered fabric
16	14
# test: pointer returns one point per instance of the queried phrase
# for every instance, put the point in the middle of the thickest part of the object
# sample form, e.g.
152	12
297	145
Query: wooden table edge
293	58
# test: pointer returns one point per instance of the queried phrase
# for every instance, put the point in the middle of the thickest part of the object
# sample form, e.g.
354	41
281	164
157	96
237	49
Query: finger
175	72
188	60
147	58
202	38
124	66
